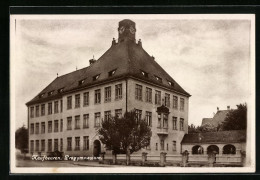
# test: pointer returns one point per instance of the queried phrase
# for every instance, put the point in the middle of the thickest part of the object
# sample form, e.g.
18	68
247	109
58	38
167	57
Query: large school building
67	114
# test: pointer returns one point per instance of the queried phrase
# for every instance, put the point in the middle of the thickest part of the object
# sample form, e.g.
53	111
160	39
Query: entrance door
97	148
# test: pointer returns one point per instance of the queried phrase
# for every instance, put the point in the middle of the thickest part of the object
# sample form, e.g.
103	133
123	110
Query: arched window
197	149
229	149
212	148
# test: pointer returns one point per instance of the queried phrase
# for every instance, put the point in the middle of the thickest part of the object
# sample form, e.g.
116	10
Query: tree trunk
114	157
127	156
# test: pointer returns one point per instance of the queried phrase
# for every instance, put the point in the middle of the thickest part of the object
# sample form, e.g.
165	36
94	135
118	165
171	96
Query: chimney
92	61
228	107
140	42
217	108
113	42
153	58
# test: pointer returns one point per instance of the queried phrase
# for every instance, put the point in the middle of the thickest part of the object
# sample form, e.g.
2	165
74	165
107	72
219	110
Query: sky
209	58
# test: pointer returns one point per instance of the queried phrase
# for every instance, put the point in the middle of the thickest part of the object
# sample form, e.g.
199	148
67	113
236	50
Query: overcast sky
210	59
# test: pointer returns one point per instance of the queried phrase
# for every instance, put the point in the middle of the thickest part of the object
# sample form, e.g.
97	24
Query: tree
236	119
21	139
192	129
125	134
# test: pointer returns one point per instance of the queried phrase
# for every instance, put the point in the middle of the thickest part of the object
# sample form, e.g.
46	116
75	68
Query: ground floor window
162	144
77	143
61	144
32	146
173	145
69	141
49	145
56	144
85	143
42	145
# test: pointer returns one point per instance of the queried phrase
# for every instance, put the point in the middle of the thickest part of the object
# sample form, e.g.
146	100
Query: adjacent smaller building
222	142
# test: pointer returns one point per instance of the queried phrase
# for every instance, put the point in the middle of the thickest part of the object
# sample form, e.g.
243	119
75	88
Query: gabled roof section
127	57
215	137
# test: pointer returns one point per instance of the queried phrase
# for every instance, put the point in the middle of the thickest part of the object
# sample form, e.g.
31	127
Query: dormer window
81	82
111	73
145	74
170	83
50	93
60	90
95	77
41	95
158	78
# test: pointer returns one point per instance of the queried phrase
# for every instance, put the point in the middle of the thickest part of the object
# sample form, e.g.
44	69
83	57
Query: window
69	121
108	94
118	91
77	122
85	143
85	121
61	105
56	125
60	90
49	108
56	106
37	145
174	123
37	111
50	93
32	146
138	114
107	115
49	145
167	100
43	127
111	73
32	129
145	74
49	126
163	121
158	79
69	142
158	97
167	147
81	82
86	99
162	144
118	113
156	146
43	109
37	127
32	112
148	118
77	143
42	145
69	102
148	95
181	104
97	119
77	100
97	96
56	144
61	125
181	124
171	83
61	144
173	145
95	77
138	92
175	102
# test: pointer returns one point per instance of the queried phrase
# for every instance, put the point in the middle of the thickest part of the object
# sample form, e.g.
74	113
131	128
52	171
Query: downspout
28	129
126	84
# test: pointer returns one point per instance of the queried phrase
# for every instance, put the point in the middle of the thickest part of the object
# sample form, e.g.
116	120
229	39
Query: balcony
162	131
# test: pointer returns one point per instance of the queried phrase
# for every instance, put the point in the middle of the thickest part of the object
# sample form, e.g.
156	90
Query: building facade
67	114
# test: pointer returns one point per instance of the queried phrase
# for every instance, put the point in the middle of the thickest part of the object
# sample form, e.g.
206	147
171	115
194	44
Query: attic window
111	73
81	82
50	93
60	90
158	78
41	95
145	74
170	83
95	77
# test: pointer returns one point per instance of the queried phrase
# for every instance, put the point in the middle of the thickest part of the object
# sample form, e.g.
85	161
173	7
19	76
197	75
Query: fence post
144	157
114	157
102	155
243	158
162	158
185	158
